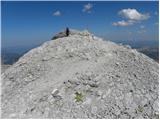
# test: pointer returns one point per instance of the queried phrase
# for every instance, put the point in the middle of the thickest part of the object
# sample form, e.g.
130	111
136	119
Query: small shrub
140	108
79	97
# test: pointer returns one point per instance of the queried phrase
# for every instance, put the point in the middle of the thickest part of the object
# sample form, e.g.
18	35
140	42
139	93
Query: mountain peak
71	32
81	76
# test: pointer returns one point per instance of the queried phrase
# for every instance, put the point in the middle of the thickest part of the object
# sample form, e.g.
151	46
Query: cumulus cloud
155	13
142	26
131	17
123	23
57	13
133	14
156	23
141	31
87	8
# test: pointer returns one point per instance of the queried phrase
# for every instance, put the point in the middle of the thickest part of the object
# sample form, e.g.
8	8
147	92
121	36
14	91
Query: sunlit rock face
81	76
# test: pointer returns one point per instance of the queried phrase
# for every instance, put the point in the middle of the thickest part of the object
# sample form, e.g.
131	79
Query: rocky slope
81	76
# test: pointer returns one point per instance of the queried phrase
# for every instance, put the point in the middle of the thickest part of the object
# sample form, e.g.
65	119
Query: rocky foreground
81	76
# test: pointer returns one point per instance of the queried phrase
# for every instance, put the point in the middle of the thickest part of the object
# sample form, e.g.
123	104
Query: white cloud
142	31
155	13
142	26
131	17
87	8
156	23
57	13
123	23
130	33
133	14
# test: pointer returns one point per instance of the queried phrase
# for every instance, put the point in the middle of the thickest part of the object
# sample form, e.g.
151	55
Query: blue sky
32	23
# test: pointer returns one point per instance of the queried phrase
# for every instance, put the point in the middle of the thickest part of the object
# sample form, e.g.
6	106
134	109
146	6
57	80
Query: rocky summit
81	76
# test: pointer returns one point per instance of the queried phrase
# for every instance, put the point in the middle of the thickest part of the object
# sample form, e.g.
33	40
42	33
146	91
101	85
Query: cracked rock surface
81	76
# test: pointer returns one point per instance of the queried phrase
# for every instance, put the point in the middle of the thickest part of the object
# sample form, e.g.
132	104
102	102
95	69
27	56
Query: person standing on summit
67	31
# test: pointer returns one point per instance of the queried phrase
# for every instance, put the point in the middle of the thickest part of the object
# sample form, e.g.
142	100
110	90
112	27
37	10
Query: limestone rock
114	81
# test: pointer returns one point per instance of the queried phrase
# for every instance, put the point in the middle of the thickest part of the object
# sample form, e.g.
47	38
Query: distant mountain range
151	52
10	55
149	48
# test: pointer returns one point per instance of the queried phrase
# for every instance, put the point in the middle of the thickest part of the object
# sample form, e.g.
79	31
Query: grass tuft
78	97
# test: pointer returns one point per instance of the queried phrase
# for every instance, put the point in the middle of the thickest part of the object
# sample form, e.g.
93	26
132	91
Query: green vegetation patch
140	108
79	97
